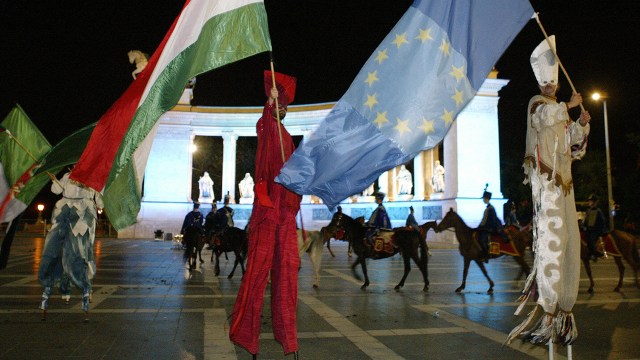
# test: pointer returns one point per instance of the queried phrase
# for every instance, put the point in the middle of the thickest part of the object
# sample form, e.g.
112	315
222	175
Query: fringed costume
68	247
553	142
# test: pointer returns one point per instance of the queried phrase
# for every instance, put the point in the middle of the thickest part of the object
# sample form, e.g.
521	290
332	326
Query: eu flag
406	96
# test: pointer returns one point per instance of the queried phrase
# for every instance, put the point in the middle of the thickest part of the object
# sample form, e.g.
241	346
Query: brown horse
193	241
333	232
409	242
623	245
231	239
470	247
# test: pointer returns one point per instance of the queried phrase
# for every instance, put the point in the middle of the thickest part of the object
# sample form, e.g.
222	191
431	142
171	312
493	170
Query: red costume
273	246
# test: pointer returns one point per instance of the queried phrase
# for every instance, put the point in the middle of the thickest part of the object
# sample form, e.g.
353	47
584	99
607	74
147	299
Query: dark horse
229	239
618	244
470	248
193	242
409	242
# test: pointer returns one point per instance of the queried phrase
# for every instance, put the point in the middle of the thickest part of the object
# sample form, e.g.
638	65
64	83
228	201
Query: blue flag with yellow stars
406	96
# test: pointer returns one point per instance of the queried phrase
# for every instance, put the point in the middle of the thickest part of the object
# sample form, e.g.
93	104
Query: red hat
285	84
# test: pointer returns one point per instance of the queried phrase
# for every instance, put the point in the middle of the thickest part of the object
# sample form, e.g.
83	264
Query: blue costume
490	224
594	226
379	218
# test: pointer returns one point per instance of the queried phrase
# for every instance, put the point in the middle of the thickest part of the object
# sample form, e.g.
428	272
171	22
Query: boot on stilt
44	304
85	304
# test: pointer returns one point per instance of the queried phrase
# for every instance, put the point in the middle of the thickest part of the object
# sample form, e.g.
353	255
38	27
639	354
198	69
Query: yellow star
445	47
458	97
427	126
382	56
372	77
371	101
447	117
400	39
381	118
425	34
458	73
402	126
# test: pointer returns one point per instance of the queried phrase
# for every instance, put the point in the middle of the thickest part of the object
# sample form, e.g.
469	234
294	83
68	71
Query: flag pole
273	79
556	55
20	144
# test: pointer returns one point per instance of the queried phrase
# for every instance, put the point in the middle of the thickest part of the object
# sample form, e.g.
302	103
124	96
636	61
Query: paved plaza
147	305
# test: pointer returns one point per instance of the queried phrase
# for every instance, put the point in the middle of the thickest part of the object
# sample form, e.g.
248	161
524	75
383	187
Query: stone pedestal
365	199
246	200
403	197
436	196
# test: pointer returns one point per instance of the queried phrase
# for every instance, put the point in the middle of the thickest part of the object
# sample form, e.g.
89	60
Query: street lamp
596	96
40	207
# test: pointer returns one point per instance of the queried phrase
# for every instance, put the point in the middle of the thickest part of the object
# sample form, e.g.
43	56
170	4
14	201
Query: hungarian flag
206	35
22	146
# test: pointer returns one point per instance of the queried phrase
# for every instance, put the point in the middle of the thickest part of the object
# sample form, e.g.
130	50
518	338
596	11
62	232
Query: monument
245	186
437	180
405	184
206	189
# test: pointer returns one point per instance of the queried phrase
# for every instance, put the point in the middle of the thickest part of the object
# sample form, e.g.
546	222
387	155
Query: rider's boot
44	304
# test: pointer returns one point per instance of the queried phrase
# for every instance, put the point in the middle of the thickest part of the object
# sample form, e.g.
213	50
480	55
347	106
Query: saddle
382	242
605	244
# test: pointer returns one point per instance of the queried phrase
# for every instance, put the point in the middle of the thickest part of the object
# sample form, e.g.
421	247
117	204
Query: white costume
405	181
437	180
68	247
553	142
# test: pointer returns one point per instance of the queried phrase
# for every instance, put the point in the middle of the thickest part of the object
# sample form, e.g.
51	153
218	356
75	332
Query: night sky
65	62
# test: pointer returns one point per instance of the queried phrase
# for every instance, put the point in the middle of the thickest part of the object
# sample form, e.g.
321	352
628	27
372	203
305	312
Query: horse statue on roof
140	59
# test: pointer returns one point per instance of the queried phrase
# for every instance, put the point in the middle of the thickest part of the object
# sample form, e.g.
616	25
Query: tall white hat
544	63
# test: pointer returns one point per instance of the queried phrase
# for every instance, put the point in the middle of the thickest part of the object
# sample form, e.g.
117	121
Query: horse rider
411	220
379	218
224	216
209	223
490	224
193	219
594	226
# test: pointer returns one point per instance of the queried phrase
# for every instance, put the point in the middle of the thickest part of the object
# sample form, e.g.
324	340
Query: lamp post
40	207
596	96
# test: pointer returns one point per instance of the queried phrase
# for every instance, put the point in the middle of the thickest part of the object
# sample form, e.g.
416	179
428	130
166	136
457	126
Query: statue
246	187
437	180
405	181
368	191
206	187
140	60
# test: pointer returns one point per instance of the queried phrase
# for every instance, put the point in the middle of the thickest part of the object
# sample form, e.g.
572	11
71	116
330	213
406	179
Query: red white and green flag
22	146
205	36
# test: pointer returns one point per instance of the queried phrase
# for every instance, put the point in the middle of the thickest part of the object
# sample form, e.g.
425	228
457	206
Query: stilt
569	352
550	343
85	304
44	304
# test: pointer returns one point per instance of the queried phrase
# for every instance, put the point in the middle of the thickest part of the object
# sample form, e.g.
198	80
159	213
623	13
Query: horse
140	59
311	242
332	232
193	242
229	239
470	247
618	244
408	241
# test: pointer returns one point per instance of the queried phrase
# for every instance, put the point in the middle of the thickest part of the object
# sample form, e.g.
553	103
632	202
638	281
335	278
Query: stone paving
147	305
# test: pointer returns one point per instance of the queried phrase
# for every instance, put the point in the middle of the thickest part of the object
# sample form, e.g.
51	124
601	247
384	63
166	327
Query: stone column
169	166
383	183
419	177
229	140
